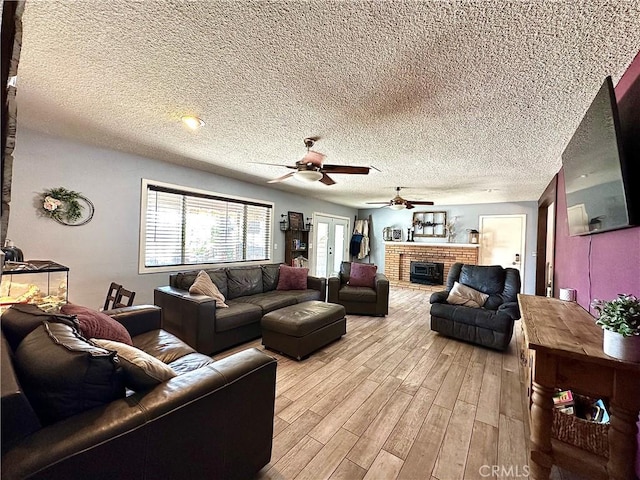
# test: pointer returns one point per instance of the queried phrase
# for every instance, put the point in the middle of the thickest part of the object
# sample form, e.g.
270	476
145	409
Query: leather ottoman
300	329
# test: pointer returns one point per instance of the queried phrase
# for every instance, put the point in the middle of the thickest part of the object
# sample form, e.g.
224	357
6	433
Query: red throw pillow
362	275
292	278
94	324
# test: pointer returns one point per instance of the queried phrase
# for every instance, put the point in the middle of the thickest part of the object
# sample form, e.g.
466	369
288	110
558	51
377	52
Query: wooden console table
567	353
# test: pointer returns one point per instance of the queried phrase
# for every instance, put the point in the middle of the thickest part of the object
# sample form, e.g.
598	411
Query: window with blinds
186	228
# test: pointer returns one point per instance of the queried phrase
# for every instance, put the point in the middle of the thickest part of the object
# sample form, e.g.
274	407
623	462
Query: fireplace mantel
398	256
435	244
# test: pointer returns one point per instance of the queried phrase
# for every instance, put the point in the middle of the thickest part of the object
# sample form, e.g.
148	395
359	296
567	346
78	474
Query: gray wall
106	249
468	218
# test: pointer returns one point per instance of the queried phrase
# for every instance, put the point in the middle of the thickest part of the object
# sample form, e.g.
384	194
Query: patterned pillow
461	294
94	324
204	286
292	278
363	275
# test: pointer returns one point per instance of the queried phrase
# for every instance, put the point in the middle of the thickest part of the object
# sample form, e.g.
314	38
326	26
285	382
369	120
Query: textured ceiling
460	102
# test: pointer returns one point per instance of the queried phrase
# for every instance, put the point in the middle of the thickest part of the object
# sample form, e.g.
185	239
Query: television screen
593	163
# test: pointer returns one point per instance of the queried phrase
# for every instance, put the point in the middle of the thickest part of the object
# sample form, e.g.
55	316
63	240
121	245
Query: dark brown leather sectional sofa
213	420
250	292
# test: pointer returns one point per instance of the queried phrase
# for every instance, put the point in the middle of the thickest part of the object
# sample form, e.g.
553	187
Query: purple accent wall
613	266
614	263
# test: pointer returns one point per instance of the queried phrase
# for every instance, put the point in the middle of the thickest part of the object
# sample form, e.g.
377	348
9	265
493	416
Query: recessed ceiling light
192	122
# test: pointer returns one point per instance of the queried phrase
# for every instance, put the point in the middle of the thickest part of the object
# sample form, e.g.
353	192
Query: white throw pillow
461	294
204	286
141	370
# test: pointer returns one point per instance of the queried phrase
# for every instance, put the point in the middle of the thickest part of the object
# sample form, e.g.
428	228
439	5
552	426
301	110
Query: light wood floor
392	399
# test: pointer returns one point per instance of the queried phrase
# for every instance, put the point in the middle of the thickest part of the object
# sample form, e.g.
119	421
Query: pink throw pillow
292	278
94	324
362	275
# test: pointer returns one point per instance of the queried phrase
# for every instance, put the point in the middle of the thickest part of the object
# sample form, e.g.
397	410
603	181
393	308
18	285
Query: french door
330	245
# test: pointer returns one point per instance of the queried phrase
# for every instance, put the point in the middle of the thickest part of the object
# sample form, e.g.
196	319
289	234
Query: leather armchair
359	300
492	324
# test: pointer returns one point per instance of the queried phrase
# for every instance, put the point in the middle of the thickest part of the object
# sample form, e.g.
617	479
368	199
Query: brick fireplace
399	255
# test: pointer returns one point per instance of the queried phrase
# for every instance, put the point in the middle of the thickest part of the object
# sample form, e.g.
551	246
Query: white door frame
312	247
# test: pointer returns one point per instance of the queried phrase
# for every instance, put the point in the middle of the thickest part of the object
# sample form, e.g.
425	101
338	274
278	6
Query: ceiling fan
311	169
398	203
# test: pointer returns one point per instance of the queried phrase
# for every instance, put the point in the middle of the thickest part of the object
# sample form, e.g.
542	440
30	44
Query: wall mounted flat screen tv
597	172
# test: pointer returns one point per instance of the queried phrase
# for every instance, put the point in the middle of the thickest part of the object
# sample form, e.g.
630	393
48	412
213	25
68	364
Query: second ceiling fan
311	169
398	203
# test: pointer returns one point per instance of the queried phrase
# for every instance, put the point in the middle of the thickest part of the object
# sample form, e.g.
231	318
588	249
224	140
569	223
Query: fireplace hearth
427	273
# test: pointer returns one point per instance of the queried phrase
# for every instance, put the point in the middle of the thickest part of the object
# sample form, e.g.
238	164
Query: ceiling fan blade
408	206
345	169
377	203
326	179
282	178
293	167
421	203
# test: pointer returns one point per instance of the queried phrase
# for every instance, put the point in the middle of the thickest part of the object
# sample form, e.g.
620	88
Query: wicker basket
590	436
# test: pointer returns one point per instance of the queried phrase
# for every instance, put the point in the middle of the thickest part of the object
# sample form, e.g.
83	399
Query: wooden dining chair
111	295
121	295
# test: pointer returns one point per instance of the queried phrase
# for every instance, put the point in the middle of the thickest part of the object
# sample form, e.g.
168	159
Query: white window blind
187	228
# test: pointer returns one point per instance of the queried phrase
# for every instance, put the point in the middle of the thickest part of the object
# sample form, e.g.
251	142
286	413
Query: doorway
502	241
330	244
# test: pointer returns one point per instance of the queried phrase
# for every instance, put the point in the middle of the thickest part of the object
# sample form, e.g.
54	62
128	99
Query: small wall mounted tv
599	168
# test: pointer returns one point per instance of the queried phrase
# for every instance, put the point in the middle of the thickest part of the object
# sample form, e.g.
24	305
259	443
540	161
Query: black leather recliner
492	324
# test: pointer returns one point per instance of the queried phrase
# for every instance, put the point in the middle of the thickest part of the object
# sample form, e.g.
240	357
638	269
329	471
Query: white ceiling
461	102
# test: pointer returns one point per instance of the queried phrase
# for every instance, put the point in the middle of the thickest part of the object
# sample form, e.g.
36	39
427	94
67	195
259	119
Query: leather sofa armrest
192	318
333	289
381	282
439	297
317	283
138	319
382	290
511	309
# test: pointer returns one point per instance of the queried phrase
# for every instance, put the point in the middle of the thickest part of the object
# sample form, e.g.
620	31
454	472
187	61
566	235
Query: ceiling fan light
397	206
307	176
192	122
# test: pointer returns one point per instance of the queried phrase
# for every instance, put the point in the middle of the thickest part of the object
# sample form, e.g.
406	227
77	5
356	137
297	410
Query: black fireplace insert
427	273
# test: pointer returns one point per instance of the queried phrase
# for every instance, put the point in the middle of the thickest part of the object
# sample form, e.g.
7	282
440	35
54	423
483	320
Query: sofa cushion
270	276
463	295
141	370
190	362
237	315
162	345
301	295
18	321
244	281
357	294
204	286
94	324
64	374
292	278
363	275
268	301
184	280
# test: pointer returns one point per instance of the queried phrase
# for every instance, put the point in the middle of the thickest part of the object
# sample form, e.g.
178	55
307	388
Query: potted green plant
620	320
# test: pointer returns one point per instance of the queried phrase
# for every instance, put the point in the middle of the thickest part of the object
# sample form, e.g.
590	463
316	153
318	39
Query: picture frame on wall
296	220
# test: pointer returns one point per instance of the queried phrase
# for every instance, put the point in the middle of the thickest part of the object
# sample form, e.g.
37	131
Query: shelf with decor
296	252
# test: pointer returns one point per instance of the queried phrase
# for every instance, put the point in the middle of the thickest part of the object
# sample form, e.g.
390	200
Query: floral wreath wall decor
67	207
